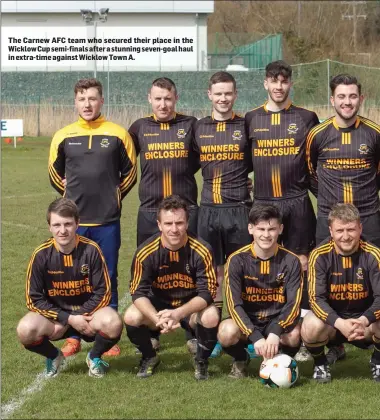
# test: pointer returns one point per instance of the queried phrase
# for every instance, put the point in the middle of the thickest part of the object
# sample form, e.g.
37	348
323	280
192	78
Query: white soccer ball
279	372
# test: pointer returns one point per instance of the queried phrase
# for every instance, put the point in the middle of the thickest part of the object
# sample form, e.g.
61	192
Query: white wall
119	25
138	6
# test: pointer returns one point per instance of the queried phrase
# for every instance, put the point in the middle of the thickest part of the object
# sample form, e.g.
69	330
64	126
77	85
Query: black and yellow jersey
225	160
167	159
344	164
174	277
98	160
278	142
344	286
261	291
59	285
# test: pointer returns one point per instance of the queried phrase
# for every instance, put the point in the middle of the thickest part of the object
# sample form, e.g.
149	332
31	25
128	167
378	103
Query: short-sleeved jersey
98	160
278	142
174	277
344	286
344	164
167	159
59	285
225	160
259	291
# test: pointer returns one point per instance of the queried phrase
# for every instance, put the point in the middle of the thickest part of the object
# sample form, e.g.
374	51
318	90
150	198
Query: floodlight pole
88	17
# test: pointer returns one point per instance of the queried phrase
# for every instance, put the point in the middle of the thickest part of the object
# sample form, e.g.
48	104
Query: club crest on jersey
292	129
236	135
181	133
84	269
280	278
104	143
363	149
188	269
359	274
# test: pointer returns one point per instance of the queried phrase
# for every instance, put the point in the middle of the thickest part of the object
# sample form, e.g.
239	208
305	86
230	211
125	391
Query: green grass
172	392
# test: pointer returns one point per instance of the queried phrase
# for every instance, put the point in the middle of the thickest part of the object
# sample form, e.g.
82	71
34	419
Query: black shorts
371	228
159	305
225	228
299	222
71	332
147	223
264	327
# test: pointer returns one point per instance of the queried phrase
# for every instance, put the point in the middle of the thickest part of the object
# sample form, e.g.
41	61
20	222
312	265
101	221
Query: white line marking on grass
20	225
5	197
39	382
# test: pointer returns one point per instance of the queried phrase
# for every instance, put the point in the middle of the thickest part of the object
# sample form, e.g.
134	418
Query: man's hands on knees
267	348
81	323
352	329
168	320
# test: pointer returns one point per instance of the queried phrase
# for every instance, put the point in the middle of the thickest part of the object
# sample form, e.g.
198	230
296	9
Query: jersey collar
335	124
255	256
92	124
230	119
163	122
265	106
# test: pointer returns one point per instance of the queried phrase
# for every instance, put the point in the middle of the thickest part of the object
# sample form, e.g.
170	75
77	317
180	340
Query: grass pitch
172	392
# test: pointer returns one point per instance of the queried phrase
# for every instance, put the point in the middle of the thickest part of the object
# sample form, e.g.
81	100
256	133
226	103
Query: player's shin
317	350
207	338
44	347
237	351
102	344
140	337
376	350
290	351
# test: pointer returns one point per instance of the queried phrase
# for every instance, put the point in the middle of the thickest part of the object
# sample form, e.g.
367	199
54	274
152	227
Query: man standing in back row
345	150
277	131
164	141
225	160
93	162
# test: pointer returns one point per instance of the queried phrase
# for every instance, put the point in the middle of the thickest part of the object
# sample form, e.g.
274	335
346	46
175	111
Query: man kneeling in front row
344	293
67	292
263	289
173	283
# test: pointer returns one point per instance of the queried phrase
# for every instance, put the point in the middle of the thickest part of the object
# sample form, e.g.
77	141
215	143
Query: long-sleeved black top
59	285
174	277
261	291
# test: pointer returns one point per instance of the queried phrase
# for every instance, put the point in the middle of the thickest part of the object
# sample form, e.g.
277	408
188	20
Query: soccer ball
279	372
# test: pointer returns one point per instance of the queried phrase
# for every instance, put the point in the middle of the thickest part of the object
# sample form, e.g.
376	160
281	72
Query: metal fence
45	99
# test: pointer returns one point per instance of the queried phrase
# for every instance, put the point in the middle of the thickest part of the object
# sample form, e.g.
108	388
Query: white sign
12	128
137	48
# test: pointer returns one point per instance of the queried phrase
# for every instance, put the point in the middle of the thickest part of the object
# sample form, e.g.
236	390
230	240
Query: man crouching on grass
173	283
67	291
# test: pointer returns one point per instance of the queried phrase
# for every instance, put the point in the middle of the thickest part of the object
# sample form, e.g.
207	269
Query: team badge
181	133
292	129
280	278
84	269
188	269
237	135
104	143
359	274
363	149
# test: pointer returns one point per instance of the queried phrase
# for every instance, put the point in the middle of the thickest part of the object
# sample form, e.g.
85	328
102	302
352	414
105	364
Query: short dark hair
344	79
221	77
64	208
84	84
346	212
278	68
264	212
165	83
173	202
